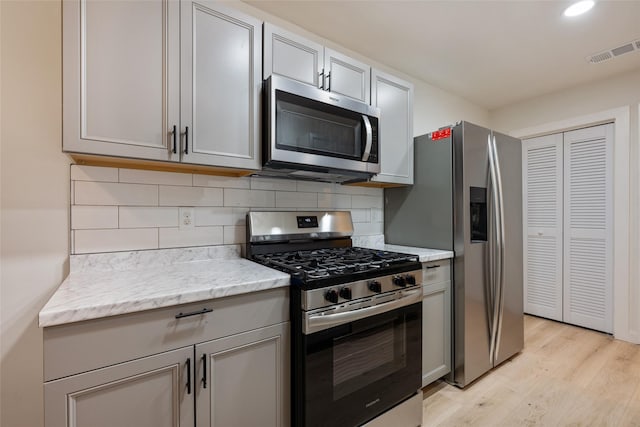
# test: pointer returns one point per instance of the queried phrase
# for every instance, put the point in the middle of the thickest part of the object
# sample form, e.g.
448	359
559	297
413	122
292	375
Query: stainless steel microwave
314	134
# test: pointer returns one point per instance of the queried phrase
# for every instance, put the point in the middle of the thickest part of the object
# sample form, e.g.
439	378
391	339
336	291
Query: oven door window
309	126
355	372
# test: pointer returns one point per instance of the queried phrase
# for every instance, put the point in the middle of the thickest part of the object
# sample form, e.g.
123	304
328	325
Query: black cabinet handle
204	371
175	131
431	266
194	313
189	376
186	140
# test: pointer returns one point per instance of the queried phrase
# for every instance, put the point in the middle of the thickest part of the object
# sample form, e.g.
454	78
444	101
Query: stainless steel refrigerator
467	197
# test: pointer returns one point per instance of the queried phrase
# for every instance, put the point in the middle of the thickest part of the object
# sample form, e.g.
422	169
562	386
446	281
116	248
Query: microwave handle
369	140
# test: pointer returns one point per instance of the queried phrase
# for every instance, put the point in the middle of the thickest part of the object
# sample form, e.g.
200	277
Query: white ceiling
492	53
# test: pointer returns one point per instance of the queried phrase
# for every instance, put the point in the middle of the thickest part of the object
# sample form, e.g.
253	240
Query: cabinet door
243	379
436	332
221	85
542	221
290	55
121	77
588	231
147	392
347	76
394	97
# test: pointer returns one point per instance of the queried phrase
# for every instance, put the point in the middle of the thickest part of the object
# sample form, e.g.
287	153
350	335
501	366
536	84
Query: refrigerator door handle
501	272
495	257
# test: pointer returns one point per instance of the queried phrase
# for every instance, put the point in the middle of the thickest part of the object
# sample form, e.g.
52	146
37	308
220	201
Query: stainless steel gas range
356	320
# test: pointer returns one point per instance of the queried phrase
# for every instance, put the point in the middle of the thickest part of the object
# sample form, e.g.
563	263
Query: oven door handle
320	322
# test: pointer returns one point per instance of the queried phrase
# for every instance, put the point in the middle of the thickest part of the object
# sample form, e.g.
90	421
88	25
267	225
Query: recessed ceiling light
579	8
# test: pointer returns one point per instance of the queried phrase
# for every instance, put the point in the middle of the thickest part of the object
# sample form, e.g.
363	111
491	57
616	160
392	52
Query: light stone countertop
424	254
104	285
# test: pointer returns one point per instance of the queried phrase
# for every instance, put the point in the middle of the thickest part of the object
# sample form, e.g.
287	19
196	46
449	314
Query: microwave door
368	138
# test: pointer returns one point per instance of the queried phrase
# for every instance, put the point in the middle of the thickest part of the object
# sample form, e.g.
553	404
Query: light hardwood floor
565	376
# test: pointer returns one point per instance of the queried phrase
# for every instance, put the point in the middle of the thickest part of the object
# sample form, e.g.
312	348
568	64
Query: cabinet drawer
83	346
436	272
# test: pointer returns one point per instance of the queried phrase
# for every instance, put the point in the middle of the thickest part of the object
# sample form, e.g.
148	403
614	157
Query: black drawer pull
431	266
194	313
189	376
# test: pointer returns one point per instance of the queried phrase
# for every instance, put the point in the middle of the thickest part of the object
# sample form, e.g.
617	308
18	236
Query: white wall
615	98
35	198
35	189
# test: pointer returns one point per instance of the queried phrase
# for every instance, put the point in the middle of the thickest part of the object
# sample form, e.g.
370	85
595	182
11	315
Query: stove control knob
375	286
345	293
331	296
399	281
411	279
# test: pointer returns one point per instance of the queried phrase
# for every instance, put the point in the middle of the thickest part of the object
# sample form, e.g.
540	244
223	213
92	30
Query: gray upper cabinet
221	84
121	77
293	56
394	97
135	71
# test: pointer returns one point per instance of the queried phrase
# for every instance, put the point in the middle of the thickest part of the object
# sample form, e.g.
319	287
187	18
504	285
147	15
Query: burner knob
331	296
411	279
345	293
399	281
375	286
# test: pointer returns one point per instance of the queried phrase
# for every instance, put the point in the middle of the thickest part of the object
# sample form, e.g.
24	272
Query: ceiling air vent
614	52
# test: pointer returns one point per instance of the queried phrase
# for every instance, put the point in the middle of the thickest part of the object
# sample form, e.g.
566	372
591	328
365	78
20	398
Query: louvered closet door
542	219
588	221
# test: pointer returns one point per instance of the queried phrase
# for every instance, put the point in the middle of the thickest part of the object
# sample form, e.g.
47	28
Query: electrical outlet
186	218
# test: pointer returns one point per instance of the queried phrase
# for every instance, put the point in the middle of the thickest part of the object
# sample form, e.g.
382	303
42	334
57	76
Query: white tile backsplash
196	236
115	194
128	209
290	199
138	176
220	181
93	173
249	198
190	196
144	217
88	217
123	239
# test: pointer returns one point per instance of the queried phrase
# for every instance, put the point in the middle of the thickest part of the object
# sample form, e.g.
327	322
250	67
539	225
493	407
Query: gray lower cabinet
243	379
148	392
226	365
436	321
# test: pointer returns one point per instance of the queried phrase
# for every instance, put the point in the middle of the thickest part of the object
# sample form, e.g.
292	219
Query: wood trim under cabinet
120	162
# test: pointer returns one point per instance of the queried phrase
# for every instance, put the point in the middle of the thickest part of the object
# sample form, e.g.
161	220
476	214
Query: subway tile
377	215
235	234
285	199
220	181
273	184
196	236
361	215
316	187
142	217
364	191
249	198
190	196
114	240
358	201
139	176
334	201
92	217
107	193
220	216
93	173
367	228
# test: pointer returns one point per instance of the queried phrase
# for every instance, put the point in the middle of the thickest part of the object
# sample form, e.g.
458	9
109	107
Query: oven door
356	371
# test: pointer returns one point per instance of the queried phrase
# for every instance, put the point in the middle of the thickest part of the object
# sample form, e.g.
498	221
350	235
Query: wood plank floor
565	376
